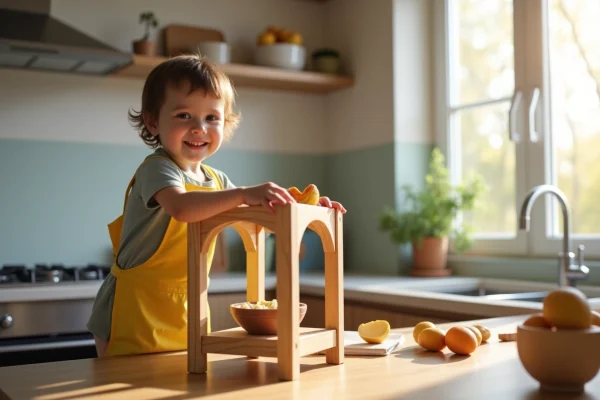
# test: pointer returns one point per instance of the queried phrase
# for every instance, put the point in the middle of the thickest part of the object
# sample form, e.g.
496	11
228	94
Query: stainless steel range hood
34	40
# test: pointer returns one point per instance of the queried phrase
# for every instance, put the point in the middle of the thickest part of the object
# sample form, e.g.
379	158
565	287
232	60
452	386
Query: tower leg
197	299
288	296
334	294
255	267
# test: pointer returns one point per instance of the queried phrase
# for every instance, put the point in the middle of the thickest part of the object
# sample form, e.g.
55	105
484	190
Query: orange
477	334
419	327
282	35
432	339
461	340
295	38
266	38
567	308
538	321
485	332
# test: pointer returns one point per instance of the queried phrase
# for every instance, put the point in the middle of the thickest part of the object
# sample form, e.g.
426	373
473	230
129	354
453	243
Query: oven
43	314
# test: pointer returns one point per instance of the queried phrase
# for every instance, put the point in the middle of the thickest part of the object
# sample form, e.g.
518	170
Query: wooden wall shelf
254	76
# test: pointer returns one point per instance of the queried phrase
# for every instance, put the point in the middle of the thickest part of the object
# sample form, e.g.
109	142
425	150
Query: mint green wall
57	197
365	181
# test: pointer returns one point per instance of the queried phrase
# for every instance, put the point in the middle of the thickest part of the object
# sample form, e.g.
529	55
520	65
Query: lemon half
374	331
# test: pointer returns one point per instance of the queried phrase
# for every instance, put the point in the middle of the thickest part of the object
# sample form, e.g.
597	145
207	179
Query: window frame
531	56
487	245
546	239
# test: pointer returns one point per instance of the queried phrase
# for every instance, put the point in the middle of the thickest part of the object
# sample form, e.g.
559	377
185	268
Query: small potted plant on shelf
429	220
326	60
145	46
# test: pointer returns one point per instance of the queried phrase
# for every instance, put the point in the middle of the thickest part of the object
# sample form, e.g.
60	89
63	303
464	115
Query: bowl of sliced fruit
260	318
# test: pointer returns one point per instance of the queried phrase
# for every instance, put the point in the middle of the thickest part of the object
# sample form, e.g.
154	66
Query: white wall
413	71
385	45
363	115
53	106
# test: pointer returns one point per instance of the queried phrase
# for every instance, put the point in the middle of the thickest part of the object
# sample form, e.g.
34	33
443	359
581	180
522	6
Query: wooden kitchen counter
492	372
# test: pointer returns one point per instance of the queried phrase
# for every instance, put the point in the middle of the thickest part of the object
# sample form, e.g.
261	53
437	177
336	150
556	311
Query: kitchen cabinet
356	313
253	76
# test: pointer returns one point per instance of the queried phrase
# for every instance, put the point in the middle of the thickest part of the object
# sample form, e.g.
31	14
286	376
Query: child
187	112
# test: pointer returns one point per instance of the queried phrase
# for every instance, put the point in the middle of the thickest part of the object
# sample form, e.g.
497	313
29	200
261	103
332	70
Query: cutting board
180	39
354	345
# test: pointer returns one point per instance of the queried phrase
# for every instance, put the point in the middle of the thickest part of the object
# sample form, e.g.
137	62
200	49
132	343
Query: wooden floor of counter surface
492	372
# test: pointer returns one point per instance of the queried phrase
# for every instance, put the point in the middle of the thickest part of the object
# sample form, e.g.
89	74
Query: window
518	89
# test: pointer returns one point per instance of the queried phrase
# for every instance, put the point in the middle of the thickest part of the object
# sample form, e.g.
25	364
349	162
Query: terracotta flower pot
430	257
144	47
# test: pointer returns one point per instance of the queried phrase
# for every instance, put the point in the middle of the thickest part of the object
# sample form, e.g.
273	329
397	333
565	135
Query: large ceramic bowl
260	321
560	360
281	55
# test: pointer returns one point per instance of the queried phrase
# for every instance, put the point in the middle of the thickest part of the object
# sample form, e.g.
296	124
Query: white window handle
513	135
533	134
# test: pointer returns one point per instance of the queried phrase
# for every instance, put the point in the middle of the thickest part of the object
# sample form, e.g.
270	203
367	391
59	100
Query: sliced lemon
374	331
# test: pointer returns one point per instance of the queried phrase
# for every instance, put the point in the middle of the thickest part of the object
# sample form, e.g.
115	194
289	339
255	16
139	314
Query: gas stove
12	274
46	330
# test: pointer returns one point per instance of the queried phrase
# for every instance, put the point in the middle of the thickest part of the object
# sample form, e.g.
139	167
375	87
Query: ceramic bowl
281	55
259	321
216	52
561	360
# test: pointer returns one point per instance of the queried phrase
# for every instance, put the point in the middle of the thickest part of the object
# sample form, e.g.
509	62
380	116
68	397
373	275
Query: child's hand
267	194
325	202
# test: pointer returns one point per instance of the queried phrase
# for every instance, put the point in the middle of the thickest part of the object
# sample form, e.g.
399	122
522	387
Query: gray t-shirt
144	225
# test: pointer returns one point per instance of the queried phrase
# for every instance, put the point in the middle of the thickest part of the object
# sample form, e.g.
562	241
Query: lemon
485	332
537	320
266	38
477	334
567	308
419	327
432	339
295	38
375	331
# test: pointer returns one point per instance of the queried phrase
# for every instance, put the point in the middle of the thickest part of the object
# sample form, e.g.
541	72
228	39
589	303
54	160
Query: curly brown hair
201	74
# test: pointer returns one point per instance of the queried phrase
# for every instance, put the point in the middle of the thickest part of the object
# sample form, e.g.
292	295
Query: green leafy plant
148	19
432	211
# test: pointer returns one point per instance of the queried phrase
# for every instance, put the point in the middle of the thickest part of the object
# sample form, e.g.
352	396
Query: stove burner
46	273
53	273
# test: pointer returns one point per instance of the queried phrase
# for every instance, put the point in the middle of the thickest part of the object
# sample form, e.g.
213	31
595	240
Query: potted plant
144	45
430	218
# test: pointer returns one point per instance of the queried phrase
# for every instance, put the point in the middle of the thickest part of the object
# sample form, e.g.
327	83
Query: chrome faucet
568	272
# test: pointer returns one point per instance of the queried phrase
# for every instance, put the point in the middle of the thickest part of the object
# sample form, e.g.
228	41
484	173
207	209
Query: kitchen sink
499	295
500	290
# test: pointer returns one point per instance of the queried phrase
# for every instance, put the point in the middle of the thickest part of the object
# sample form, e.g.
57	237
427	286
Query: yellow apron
150	307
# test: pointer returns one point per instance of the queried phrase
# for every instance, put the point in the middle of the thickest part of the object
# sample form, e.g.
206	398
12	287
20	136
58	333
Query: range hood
34	40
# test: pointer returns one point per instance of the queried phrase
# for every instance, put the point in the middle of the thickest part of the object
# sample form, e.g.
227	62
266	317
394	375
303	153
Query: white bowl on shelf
281	55
216	52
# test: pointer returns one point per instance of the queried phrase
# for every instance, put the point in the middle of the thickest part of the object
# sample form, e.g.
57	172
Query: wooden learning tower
291	342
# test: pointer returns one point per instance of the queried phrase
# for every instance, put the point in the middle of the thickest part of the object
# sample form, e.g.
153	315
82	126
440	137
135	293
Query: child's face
190	125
